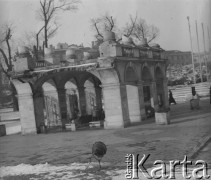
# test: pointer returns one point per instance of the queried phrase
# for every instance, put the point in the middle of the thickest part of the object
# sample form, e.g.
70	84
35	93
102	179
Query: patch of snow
26	169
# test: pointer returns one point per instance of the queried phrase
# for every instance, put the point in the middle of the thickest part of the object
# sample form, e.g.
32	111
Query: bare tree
135	27
48	13
142	30
101	24
5	49
130	26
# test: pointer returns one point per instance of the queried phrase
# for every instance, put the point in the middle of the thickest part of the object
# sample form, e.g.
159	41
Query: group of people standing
194	99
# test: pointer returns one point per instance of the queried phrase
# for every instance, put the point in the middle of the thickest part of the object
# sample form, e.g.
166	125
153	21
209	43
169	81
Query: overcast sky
170	16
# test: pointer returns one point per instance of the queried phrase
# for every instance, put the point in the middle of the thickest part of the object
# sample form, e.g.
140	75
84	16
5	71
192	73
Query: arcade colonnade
122	92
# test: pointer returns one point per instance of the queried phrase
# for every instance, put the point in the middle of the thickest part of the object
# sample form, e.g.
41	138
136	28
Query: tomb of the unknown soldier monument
120	81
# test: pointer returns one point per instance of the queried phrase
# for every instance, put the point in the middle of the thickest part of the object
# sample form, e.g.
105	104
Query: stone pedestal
162	118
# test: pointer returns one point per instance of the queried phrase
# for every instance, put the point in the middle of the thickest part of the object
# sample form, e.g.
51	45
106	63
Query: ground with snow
73	171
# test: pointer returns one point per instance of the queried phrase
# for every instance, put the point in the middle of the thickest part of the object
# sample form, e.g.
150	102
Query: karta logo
134	166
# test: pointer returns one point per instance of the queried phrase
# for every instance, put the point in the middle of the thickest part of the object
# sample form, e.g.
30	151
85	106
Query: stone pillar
98	92
63	106
165	92
38	108
115	106
133	103
141	100
82	100
26	108
124	102
153	92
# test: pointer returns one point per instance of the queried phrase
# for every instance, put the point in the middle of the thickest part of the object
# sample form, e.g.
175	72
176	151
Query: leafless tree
48	13
101	24
142	30
5	49
135	27
130	26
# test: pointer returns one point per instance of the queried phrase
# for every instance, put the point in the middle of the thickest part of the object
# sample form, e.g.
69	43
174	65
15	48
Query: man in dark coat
171	98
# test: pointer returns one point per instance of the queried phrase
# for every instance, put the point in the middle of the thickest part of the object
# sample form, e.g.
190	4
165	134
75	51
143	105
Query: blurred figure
194	102
171	98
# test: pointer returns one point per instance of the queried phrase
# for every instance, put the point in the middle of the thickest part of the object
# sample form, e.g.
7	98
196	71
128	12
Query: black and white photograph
105	89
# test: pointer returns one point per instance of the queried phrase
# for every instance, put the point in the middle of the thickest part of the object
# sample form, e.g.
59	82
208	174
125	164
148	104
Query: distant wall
183	93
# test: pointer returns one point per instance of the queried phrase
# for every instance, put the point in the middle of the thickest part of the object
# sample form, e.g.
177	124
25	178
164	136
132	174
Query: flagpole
208	38
194	79
202	25
199	56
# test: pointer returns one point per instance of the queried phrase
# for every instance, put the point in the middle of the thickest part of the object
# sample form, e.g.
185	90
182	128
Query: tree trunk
46	37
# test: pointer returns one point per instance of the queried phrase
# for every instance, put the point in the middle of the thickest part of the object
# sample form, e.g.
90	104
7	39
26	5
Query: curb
201	143
192	117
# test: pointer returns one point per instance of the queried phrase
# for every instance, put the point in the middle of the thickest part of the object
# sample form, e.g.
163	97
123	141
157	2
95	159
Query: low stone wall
10	120
9	115
183	93
13	127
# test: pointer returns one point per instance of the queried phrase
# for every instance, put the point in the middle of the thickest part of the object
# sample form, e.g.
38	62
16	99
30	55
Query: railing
135	52
127	52
40	64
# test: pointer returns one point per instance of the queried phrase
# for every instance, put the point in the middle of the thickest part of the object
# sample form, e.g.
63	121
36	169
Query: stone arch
115	107
90	95
71	84
159	78
146	74
72	99
131	80
52	114
26	107
148	86
159	72
130	74
39	83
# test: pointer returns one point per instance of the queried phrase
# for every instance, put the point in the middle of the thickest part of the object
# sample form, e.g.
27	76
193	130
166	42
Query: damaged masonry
121	80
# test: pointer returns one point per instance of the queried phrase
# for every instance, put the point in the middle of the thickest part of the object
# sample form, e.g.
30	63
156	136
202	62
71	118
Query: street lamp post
199	56
194	79
204	50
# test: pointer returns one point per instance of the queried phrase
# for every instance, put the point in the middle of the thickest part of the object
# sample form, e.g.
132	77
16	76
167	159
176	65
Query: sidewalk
164	142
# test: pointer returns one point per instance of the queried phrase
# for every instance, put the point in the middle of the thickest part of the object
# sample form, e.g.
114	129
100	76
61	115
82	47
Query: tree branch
5	58
98	33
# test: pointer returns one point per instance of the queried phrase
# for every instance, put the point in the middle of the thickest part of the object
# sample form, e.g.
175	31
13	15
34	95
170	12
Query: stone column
141	100
124	102
153	92
38	108
165	92
133	103
27	114
98	92
63	106
115	106
82	100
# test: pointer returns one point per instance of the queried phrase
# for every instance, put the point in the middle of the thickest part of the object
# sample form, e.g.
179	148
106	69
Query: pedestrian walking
171	98
194	102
